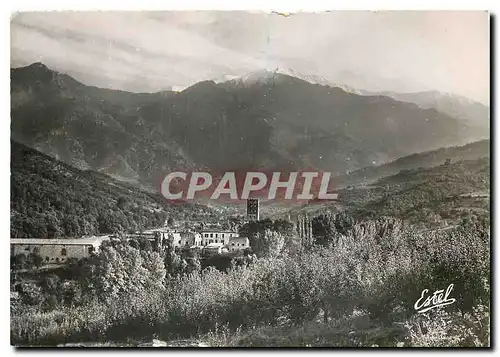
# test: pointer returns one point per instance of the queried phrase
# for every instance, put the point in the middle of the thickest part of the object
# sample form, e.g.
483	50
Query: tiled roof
214	245
43	241
238	239
217	231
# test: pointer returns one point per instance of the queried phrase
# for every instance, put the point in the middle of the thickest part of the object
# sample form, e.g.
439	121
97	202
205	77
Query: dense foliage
52	199
366	274
442	193
340	279
270	237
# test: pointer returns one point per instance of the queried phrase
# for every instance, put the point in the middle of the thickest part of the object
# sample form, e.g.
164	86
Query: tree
122	202
54	228
30	293
328	228
134	243
267	243
51	283
19	261
122	269
268	237
284	227
50	303
174	264
154	265
145	245
220	262
193	264
71	227
72	293
35	260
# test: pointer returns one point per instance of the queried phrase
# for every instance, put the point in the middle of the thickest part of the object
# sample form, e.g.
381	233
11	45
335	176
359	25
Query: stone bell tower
253	209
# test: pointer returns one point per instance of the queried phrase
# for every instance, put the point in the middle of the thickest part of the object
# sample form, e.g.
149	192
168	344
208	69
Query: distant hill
89	127
473	113
425	159
266	121
430	196
427	195
52	199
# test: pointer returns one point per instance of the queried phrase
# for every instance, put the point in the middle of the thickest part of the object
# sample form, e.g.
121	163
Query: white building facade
56	251
217	236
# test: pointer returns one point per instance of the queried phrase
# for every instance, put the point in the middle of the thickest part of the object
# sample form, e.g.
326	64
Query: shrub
440	328
373	271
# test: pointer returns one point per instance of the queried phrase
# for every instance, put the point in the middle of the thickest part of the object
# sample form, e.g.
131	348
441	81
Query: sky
401	51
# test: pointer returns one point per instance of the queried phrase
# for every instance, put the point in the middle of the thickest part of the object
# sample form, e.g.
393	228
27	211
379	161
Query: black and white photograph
250	179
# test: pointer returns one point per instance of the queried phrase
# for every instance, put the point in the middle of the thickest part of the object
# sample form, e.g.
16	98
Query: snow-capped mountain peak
265	75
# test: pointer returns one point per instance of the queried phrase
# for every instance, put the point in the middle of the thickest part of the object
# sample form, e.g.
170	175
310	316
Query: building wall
54	253
208	252
217	237
175	239
238	243
190	238
182	239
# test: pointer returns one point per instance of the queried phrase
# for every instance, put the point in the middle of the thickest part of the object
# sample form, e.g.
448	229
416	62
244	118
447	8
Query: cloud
148	51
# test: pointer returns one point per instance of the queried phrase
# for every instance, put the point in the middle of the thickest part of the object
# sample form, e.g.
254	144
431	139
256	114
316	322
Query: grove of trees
363	275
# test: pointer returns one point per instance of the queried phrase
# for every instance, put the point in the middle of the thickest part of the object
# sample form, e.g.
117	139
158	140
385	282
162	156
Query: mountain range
474	113
471	112
265	120
431	189
473	151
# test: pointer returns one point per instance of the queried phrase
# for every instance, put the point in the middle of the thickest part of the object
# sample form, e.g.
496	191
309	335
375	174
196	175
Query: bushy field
356	288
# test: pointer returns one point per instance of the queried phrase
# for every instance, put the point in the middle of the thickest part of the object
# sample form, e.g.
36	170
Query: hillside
88	127
52	199
276	121
471	112
432	196
437	195
425	159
